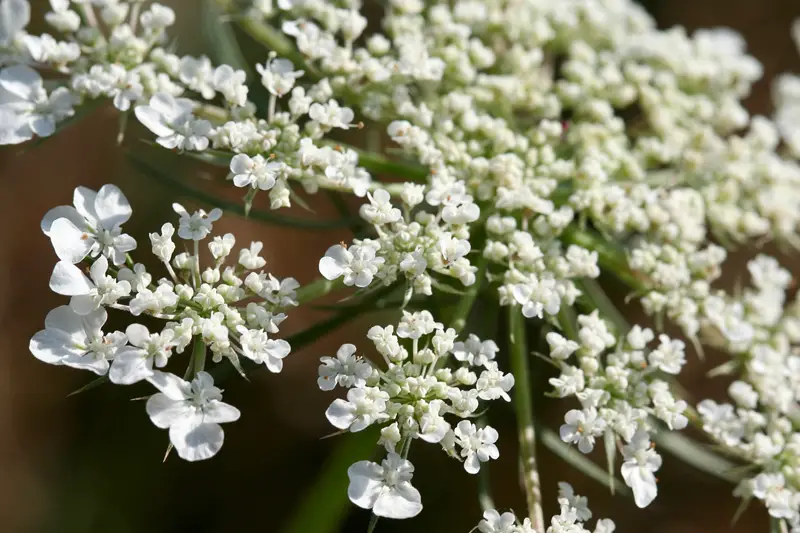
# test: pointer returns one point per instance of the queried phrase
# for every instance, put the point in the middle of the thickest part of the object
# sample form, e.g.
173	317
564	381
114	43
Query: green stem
610	257
523	406
317	289
198	360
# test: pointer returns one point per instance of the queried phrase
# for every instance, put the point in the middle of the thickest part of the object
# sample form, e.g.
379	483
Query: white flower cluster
574	513
619	385
412	246
233	310
411	397
760	426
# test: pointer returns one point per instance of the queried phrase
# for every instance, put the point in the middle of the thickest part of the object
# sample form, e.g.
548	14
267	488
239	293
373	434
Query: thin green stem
198	361
610	257
523	406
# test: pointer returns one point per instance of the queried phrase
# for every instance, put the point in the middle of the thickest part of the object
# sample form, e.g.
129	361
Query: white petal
329	268
69	241
62	211
52	345
67	279
14	16
402	501
83	362
643	483
65	319
170	385
196	443
365	483
164	411
472	465
111	206
95	320
152	120
137	334
14	127
220	412
21	81
341	413
130	366
83	199
83	304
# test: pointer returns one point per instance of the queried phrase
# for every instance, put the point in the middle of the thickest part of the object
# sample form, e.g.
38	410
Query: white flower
278	76
453	249
193	413
669	357
14	16
255	172
494	522
362	407
157	18
560	348
415	325
163	247
198	225
197	74
88	295
331	115
230	84
385	488
77	341
493	384
637	470
62	18
26	109
256	345
477	445
249	258
432	425
582	427
135	363
346	369
172	121
380	210
92	227
357	264
157	301
474	352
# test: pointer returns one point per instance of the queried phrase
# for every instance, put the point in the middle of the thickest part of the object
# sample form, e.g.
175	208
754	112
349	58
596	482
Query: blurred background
93	462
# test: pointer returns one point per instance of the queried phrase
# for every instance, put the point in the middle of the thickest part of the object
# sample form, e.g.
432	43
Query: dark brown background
92	463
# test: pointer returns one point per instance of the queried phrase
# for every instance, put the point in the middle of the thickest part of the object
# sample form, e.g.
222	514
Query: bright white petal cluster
410	394
231	311
574	513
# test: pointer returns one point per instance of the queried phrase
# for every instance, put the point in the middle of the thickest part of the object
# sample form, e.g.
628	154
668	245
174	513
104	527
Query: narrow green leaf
600	300
697	455
610	445
221	38
89	386
580	462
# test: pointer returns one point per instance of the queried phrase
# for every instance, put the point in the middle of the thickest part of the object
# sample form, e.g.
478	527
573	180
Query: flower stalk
523	405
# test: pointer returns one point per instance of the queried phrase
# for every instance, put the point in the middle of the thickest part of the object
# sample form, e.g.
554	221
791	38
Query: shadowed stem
523	406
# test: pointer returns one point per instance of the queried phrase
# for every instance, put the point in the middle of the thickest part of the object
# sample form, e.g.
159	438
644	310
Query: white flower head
196	226
641	461
477	445
192	412
385	488
346	369
357	264
92	227
278	76
25	107
172	121
76	341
